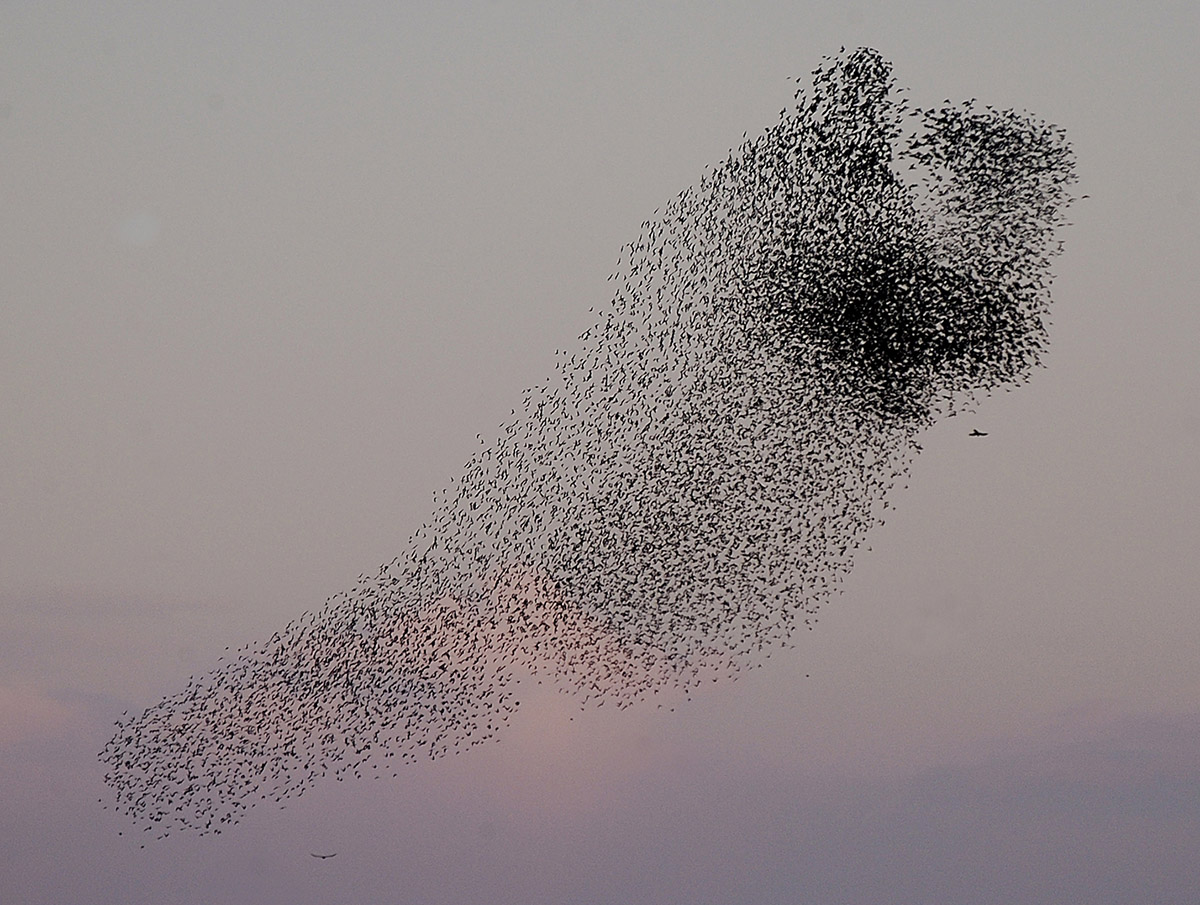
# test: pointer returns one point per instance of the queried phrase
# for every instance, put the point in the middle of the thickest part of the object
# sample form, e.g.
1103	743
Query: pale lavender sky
267	269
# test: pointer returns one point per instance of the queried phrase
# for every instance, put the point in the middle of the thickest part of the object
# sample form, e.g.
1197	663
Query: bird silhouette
693	481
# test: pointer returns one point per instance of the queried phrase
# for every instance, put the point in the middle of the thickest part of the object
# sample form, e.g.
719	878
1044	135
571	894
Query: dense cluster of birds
689	487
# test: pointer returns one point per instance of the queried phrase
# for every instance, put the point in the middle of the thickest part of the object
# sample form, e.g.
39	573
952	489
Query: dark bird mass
688	488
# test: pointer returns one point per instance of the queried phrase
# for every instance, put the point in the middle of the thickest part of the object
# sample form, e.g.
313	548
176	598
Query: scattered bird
977	433
693	481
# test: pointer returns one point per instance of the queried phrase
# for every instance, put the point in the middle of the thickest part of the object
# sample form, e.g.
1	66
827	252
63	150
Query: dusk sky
266	271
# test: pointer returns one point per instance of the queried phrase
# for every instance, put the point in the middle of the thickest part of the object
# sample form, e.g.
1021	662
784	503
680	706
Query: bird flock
688	488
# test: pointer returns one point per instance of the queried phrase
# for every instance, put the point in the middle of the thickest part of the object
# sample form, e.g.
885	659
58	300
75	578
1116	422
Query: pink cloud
27	713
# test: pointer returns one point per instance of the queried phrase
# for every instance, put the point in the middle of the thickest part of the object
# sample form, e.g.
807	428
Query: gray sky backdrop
267	269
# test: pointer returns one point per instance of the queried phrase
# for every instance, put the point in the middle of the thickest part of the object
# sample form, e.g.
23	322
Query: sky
267	271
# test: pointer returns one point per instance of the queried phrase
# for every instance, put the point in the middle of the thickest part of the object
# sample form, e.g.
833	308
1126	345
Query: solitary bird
977	433
322	857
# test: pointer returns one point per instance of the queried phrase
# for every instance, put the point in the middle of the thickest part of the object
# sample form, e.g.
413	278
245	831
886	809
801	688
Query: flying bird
323	857
693	481
977	433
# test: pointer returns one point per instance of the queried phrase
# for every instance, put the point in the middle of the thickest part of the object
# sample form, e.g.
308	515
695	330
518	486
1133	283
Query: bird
323	857
691	483
977	433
